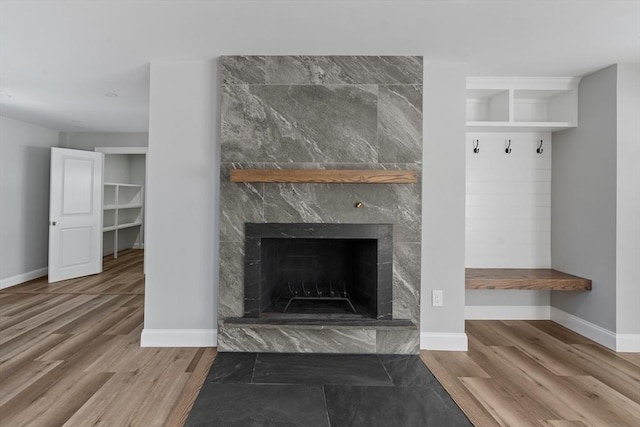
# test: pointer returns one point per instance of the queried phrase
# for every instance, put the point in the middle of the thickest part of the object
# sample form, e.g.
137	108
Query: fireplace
362	240
318	271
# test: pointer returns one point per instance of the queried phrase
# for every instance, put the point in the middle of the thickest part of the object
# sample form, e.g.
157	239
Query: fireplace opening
319	276
318	271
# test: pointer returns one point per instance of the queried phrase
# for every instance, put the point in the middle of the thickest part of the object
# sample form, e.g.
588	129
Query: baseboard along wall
179	338
24	277
443	341
616	342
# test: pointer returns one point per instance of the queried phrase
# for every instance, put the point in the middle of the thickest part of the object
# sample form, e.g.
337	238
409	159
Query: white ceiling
58	59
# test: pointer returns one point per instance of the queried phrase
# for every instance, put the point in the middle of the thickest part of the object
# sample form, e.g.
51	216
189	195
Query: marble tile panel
392	406
296	340
244	126
398	341
338	112
284	123
243	70
258	405
408	371
382	203
240	203
231	280
232	368
319	70
321	369
406	281
400	124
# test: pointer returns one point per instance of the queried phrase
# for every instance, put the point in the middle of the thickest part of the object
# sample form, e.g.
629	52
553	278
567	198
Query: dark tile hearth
320	369
279	389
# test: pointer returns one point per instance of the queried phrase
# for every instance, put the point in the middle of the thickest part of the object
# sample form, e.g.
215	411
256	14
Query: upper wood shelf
524	278
325	176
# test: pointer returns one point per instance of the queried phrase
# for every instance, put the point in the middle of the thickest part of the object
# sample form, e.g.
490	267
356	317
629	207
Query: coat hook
508	144
475	146
540	150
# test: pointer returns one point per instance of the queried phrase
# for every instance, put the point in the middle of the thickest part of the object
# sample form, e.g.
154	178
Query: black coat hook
539	150
475	146
508	144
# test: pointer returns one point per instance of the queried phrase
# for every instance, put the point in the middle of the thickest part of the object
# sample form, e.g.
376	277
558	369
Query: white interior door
75	214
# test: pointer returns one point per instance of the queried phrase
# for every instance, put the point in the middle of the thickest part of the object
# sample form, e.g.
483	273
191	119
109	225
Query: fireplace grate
309	295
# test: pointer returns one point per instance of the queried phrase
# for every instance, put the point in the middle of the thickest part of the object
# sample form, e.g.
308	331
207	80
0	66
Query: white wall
583	202
137	168
508	215
90	140
628	201
116	168
182	204
443	206
24	200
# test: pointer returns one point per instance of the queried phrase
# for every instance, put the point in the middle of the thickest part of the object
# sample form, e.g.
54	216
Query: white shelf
120	184
518	126
121	226
128	225
134	206
122	209
496	104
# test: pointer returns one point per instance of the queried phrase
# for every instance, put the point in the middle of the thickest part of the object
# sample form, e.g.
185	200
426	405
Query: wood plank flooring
70	355
538	373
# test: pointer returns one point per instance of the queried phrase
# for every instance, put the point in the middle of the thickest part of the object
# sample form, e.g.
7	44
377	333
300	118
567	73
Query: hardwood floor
70	355
538	373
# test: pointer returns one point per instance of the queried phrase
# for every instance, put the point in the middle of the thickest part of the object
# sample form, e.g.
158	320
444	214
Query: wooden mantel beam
336	176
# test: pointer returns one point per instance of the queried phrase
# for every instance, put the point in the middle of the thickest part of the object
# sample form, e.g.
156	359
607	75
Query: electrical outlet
436	298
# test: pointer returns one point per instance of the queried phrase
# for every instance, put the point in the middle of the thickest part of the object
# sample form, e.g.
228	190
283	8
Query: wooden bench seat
524	278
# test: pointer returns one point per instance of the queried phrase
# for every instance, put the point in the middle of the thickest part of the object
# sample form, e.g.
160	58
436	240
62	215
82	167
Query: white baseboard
24	277
179	338
138	246
443	341
616	342
585	328
507	312
628	343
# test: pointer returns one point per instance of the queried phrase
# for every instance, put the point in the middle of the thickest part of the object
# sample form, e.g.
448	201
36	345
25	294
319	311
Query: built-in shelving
325	176
122	209
526	104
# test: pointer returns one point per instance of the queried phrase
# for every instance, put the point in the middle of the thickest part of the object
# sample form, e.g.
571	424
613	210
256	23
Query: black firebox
318	270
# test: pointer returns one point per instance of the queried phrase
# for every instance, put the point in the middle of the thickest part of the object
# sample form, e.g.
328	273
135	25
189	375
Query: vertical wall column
443	210
182	197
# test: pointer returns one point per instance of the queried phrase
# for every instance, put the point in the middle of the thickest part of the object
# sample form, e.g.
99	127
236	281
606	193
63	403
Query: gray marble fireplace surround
321	112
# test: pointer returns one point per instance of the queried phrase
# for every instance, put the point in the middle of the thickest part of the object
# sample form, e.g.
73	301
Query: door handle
53	223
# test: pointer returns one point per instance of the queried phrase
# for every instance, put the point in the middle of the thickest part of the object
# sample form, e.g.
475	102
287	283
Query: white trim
585	328
628	343
138	246
121	150
443	341
179	338
24	277
507	312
